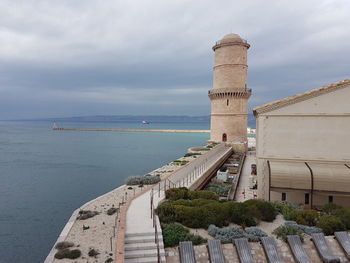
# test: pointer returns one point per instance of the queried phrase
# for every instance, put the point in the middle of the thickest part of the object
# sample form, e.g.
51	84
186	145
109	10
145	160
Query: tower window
224	137
227	102
284	196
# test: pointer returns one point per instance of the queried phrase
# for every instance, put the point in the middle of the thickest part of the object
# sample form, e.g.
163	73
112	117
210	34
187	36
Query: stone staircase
141	247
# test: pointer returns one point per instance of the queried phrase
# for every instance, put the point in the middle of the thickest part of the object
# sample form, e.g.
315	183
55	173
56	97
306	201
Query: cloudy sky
71	58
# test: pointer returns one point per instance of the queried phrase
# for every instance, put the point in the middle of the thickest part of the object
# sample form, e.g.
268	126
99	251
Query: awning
324	177
294	175
331	177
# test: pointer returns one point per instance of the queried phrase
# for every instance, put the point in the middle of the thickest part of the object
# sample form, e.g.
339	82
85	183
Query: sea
45	174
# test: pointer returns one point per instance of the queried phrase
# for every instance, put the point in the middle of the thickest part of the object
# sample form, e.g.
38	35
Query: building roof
300	97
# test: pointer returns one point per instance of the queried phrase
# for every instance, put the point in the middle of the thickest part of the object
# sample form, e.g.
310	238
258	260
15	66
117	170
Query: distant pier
130	130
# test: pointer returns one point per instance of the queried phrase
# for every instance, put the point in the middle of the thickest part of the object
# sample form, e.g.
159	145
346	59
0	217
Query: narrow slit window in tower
227	102
224	137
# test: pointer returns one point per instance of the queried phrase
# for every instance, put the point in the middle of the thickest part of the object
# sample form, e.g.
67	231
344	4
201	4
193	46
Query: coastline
102	227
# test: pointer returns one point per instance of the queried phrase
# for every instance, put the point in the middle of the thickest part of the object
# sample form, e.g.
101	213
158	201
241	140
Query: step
142	239
137	234
143	253
144	245
145	260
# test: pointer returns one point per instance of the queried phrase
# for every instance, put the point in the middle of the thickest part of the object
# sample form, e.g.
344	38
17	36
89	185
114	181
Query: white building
303	147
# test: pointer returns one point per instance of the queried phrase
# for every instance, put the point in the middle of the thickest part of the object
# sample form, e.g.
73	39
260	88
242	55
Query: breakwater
131	130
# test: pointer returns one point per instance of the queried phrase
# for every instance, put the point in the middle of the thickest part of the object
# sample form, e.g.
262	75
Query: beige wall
315	130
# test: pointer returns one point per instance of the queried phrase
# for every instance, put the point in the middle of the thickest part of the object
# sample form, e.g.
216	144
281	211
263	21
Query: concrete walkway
243	190
140	243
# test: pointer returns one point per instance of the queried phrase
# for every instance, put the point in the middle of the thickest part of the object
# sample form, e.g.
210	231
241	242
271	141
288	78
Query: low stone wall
230	253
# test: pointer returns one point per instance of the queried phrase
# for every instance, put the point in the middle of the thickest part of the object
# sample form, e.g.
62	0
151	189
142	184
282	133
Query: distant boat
145	122
54	126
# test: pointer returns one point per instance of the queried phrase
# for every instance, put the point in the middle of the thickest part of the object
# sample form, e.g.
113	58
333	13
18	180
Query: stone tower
229	96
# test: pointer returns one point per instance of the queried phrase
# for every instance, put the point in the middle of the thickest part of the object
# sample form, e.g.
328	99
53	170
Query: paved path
244	182
139	224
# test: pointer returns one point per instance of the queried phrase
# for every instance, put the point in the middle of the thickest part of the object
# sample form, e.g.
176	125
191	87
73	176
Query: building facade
303	147
229	95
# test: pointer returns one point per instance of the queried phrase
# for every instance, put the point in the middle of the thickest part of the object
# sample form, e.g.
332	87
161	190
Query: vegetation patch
86	214
220	189
67	253
303	228
64	244
228	234
192	154
330	224
93	253
207	210
184	193
142	180
174	233
112	211
283	231
180	162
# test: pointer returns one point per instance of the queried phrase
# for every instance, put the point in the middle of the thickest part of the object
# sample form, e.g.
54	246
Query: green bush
67	253
175	233
191	154
218	189
283	231
177	193
330	224
93	253
307	217
332	209
203	194
184	193
64	244
288	210
338	211
261	209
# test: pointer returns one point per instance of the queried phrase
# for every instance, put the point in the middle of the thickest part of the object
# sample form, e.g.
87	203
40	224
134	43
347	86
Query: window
330	199
284	196
224	137
227	102
307	199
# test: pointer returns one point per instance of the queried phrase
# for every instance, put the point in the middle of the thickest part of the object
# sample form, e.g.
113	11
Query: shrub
203	194
93	253
330	224
219	189
307	217
175	233
261	209
184	193
180	162
112	211
333	209
254	234
67	253
306	229
226	234
86	214
166	212
283	231
191	154
141	180
288	210
176	193
64	244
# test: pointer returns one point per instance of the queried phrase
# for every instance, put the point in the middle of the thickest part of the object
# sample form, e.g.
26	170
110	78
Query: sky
62	58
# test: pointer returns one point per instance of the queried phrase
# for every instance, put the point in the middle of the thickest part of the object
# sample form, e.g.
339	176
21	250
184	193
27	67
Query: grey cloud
101	57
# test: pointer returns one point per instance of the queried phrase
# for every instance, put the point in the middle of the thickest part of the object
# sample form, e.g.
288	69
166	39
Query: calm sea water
45	174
